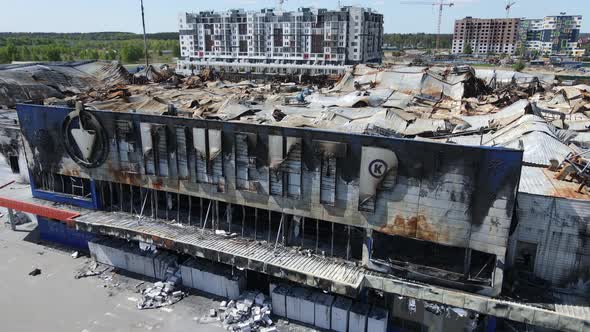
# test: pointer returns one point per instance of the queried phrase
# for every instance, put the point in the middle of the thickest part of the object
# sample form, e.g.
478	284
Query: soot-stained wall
448	194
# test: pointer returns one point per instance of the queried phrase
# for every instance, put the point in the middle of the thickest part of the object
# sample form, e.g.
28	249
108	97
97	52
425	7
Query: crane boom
509	5
440	4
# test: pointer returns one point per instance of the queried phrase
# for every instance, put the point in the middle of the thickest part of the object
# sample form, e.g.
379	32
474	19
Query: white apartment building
306	41
552	35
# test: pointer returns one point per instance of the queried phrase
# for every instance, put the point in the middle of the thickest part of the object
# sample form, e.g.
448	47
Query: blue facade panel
58	232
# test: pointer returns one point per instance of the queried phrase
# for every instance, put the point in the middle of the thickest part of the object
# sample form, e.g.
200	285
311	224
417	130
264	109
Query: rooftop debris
38	82
92	269
458	105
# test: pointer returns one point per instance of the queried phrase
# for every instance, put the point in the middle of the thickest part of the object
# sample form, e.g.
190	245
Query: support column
367	247
190	208
255	224
12	220
467	263
228	216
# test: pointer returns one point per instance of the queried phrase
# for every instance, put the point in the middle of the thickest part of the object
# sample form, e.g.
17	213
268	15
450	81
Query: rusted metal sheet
543	182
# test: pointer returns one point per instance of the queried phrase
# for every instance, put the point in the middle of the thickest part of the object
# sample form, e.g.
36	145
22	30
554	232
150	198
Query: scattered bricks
246	314
259	299
161	294
256	310
212	313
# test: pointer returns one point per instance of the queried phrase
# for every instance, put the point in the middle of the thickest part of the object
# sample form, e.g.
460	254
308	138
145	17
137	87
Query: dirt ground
55	301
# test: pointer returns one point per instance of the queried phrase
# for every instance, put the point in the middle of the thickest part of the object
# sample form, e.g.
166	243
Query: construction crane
279	6
509	5
440	4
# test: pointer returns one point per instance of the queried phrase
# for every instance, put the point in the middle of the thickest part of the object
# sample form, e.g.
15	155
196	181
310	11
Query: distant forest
416	40
123	46
128	47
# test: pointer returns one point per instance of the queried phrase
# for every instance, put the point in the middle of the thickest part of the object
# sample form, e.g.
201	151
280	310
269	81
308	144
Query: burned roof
455	105
36	82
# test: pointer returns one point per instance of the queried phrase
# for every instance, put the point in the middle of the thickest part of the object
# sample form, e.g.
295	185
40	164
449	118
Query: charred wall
451	195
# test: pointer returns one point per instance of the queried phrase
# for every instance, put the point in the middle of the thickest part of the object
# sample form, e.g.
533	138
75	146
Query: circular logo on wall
85	138
377	168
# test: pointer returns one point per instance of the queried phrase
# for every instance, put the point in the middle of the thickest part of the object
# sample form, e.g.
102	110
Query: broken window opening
331	239
63	184
409	256
322	237
526	253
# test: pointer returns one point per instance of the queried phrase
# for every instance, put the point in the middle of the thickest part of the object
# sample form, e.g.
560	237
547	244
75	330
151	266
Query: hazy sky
161	15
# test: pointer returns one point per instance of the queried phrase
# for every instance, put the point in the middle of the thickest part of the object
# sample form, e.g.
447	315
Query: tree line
123	46
416	40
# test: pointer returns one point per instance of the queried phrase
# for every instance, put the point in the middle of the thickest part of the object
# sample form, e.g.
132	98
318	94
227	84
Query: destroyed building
427	197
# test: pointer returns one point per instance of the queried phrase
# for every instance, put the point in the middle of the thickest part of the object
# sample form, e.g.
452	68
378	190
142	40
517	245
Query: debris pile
250	312
37	82
163	293
35	272
91	270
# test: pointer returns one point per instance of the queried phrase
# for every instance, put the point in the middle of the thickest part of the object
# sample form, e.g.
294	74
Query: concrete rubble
250	312
163	293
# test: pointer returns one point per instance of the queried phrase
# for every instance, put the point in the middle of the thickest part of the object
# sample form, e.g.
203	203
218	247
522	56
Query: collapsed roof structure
425	182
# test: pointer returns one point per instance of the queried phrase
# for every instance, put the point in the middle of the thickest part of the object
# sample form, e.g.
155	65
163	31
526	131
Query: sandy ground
56	301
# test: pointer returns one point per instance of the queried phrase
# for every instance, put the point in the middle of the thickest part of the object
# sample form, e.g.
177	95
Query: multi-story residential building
483	36
552	35
308	40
